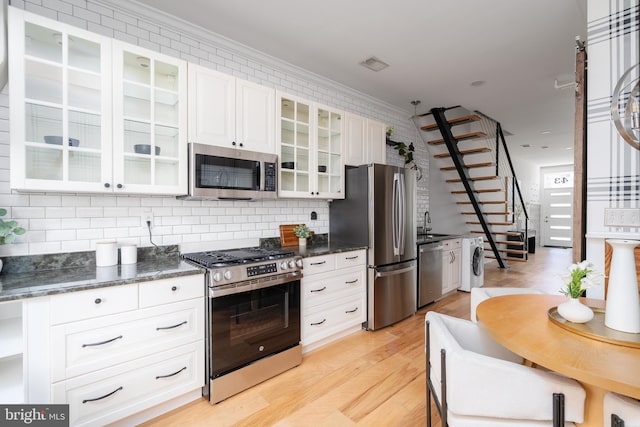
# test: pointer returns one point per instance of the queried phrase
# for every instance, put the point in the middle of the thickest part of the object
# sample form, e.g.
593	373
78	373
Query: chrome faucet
427	220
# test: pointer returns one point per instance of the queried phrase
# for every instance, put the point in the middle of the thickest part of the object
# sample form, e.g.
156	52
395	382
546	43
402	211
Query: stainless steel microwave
232	174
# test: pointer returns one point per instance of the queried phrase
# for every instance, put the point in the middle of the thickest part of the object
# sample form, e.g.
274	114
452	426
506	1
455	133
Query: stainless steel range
253	316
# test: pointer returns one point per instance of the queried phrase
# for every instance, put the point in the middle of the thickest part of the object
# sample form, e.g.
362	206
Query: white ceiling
435	49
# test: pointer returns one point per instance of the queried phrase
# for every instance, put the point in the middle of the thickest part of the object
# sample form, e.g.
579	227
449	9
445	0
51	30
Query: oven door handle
251	285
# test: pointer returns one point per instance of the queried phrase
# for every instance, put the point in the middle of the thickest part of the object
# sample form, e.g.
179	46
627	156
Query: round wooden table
521	324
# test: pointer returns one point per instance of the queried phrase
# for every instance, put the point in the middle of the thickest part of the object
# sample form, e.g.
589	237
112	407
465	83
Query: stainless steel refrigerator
378	212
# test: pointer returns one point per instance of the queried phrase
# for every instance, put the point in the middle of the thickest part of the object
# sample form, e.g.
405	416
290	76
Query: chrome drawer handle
161	328
103	397
171	375
351	282
319	290
352	311
102	342
318	263
319	323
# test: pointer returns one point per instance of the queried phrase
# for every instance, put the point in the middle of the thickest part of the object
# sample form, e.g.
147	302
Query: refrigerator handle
402	223
394	214
394	272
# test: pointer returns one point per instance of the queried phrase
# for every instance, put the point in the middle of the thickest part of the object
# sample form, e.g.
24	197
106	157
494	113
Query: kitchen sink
430	235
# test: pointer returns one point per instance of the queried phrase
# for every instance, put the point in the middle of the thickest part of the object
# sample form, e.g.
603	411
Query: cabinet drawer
318	264
330	286
171	290
89	345
349	259
117	392
332	319
93	303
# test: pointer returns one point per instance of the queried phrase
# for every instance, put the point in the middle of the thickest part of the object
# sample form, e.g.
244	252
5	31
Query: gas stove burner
232	257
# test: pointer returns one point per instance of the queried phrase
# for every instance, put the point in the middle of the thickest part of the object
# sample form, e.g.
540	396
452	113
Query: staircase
469	148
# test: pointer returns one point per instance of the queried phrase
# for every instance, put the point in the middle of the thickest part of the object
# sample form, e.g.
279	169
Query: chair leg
616	421
427	371
558	410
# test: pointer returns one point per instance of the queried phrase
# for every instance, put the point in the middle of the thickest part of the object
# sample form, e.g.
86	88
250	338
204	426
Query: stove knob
284	265
292	264
299	263
228	275
217	276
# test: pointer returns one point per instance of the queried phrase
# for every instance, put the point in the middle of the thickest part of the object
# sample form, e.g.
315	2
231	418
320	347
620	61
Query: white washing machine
472	260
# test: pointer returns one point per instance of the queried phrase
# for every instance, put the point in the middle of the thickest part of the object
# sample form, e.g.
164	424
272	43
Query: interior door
557	209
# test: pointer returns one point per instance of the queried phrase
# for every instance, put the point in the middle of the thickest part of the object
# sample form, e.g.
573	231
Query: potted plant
581	277
8	231
302	232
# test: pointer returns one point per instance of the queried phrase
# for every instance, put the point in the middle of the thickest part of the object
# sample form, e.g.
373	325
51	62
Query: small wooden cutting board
287	236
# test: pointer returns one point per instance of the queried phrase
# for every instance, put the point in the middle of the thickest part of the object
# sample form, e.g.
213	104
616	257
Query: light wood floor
366	379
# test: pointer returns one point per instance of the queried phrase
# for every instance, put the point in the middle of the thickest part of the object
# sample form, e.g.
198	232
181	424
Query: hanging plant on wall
406	151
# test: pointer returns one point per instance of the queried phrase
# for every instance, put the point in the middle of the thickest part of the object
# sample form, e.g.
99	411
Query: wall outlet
622	217
147	215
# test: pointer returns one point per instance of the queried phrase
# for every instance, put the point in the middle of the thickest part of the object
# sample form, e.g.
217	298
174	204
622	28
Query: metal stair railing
452	146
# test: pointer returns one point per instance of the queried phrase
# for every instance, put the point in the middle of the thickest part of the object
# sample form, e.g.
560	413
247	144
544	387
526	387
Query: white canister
128	254
106	254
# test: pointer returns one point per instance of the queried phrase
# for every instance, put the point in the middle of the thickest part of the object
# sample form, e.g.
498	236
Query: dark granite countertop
433	238
317	245
40	275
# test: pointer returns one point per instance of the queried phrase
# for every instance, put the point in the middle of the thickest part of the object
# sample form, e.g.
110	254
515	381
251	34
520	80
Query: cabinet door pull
161	328
174	288
103	397
171	375
351	282
318	323
102	342
319	290
98	300
318	263
352	311
351	257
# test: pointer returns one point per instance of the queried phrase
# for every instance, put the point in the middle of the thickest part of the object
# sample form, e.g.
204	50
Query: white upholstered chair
476	382
620	411
480	294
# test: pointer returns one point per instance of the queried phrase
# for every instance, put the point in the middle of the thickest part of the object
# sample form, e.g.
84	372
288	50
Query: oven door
250	325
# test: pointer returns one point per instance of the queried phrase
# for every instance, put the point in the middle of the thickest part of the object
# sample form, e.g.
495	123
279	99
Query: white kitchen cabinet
451	266
120	111
333	297
365	141
116	351
150	121
11	352
229	112
310	148
60	91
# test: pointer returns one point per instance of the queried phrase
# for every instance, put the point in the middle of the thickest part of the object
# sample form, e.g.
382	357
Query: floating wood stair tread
509	251
454	122
509	242
475	178
503	233
469	166
508	258
484	190
462	137
469	151
490	223
487	202
486	213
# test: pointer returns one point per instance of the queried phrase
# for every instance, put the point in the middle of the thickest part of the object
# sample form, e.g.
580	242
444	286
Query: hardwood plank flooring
367	378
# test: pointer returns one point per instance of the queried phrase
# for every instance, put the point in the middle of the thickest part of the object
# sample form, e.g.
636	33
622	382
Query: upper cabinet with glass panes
60	112
309	140
66	86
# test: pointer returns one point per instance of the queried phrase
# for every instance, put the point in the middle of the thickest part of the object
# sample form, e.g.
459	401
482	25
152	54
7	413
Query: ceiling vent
374	64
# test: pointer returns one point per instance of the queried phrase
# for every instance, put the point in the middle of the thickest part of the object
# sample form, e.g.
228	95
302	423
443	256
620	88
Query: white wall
74	222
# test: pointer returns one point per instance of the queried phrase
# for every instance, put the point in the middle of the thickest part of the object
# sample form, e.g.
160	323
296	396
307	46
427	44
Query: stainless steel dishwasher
429	273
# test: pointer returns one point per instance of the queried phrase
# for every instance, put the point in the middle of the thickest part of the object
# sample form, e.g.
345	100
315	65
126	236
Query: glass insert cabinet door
295	146
150	145
328	147
60	105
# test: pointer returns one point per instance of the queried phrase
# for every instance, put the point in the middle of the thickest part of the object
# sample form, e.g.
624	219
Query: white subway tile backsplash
44	248
90	234
77	223
90	212
60	235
